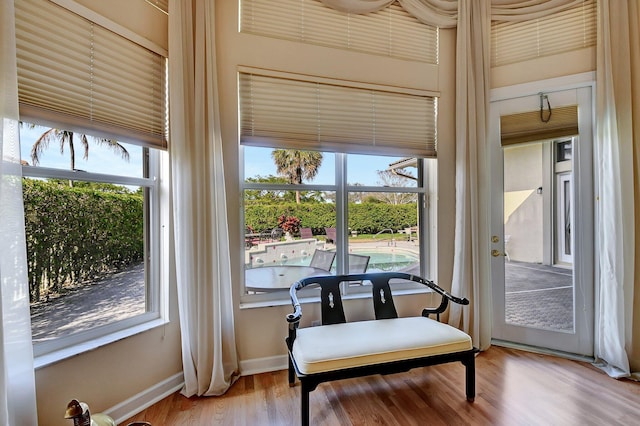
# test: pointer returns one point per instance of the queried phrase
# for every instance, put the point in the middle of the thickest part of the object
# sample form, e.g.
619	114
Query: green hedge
367	218
76	234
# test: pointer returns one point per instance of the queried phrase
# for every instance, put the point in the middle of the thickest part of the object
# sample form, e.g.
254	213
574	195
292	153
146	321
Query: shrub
364	218
77	234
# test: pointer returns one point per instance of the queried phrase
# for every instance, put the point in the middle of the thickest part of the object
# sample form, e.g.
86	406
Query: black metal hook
542	98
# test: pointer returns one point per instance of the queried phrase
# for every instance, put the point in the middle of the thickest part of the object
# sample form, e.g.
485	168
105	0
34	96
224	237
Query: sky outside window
101	158
362	169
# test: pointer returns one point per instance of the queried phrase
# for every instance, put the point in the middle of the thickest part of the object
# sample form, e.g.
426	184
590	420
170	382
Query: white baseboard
150	396
263	365
146	398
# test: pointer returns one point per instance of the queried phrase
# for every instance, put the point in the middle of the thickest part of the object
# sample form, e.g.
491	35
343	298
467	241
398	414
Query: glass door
542	276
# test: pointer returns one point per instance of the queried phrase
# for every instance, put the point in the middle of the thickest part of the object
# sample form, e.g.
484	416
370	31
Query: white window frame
54	350
427	244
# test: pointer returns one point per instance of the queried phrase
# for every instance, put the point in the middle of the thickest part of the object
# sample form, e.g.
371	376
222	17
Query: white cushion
340	346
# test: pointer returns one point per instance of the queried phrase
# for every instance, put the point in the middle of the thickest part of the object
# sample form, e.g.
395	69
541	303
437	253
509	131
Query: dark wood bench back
331	301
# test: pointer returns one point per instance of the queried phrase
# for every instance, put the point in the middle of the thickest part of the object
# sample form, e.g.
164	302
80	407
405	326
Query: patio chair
323	259
306	233
331	234
276	234
358	263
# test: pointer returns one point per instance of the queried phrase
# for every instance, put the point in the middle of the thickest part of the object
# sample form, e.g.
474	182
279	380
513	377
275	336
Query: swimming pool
386	261
380	259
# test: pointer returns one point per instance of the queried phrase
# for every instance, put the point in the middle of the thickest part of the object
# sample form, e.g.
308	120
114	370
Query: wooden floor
513	388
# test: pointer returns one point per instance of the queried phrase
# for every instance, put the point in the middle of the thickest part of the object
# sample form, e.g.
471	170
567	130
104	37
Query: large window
347	213
92	235
93	110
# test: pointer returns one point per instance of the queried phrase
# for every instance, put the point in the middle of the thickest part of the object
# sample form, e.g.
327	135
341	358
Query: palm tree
296	165
66	137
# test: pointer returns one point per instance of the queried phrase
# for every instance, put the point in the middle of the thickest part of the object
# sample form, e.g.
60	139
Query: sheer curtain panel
618	136
201	238
17	381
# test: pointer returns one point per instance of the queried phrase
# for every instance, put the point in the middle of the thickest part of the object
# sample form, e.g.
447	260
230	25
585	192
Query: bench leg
470	373
292	375
304	402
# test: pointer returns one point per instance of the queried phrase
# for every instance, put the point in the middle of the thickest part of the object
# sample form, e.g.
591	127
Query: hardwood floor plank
513	388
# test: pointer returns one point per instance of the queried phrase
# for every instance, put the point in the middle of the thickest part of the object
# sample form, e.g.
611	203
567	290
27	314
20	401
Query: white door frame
572	90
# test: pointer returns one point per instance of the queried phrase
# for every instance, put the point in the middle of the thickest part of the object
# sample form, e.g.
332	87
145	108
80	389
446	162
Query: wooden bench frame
380	283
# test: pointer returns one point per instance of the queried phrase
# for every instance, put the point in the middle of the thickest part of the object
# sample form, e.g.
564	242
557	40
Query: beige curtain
472	100
617	144
200	233
17	378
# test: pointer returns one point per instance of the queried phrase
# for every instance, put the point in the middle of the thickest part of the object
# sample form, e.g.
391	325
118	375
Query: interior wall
138	16
569	63
261	331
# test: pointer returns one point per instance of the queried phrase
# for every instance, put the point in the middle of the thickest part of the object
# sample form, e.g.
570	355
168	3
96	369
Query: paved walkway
538	296
118	296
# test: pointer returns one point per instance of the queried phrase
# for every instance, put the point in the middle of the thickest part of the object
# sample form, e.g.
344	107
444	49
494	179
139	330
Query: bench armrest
381	278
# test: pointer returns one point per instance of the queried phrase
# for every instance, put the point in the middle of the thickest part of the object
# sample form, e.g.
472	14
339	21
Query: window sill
53	357
316	299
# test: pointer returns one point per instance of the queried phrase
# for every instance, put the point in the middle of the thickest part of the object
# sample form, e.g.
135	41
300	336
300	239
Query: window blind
76	75
332	116
560	32
390	32
528	127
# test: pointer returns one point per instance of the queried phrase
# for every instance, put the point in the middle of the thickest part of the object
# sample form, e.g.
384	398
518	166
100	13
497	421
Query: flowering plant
289	224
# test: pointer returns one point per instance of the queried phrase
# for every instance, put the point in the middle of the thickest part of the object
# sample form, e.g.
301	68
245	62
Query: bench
338	349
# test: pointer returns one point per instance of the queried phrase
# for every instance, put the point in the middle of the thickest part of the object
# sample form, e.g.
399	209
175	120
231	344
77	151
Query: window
367	211
337	168
92	235
93	127
564	150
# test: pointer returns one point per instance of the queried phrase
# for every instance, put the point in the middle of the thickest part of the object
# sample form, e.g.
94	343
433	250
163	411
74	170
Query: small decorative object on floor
79	412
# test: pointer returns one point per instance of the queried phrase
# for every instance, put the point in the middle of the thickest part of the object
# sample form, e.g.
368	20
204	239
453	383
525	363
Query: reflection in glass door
537	293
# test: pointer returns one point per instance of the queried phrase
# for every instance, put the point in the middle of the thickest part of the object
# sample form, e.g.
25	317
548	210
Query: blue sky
101	159
361	168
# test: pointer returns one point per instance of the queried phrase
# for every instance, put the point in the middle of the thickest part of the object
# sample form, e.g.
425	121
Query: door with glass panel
542	220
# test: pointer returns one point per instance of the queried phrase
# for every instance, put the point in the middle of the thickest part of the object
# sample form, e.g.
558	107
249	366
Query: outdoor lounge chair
306	233
331	234
323	259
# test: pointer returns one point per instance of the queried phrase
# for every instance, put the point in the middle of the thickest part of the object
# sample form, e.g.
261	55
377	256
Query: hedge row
76	234
367	218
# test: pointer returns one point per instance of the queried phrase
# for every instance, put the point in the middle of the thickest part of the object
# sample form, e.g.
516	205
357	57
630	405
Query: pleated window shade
320	116
528	127
76	75
560	32
389	32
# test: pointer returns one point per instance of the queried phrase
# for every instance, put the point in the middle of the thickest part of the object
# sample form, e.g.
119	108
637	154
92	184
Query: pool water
378	261
387	262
